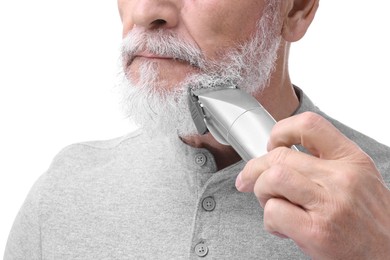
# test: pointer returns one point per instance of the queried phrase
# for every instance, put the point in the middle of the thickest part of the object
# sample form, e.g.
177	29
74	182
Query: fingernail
279	234
238	181
268	146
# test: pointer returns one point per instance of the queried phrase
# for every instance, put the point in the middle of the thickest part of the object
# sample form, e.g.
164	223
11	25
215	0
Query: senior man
166	192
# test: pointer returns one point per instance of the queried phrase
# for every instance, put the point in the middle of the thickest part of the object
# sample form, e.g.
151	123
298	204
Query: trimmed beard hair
162	109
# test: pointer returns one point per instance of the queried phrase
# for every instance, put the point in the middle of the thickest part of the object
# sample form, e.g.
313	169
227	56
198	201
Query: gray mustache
160	42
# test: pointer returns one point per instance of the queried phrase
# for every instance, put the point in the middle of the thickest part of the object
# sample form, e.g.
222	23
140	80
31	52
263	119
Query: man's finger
313	132
282	182
300	162
287	220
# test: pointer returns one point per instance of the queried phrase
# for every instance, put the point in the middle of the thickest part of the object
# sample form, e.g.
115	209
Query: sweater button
201	249
208	204
200	159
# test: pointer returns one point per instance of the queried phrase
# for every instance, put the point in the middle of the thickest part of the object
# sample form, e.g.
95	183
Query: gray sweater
137	197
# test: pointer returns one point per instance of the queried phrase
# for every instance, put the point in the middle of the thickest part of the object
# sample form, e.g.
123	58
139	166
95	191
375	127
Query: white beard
162	109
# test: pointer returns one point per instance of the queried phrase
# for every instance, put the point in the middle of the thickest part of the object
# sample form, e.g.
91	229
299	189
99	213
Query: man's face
172	45
213	26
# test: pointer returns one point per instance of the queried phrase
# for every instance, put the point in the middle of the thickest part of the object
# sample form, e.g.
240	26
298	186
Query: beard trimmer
234	118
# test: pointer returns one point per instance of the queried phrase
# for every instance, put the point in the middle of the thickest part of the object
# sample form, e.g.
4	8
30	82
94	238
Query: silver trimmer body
234	118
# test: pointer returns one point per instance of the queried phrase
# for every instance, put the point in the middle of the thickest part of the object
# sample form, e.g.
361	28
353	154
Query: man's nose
155	14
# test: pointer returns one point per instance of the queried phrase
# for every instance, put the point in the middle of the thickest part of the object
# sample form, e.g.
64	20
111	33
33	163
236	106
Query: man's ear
298	15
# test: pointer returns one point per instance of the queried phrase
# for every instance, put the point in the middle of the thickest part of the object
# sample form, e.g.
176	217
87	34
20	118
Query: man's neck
224	155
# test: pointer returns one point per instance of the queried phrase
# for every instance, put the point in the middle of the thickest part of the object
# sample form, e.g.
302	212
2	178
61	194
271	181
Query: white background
58	63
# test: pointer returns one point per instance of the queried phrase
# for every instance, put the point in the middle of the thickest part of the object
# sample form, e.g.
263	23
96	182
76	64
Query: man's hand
333	203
